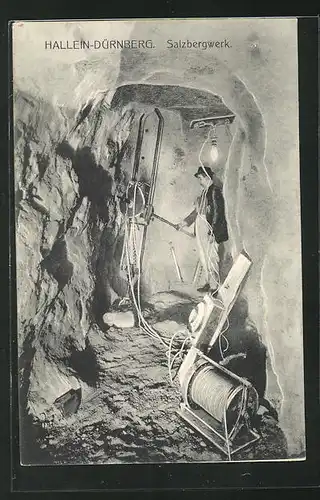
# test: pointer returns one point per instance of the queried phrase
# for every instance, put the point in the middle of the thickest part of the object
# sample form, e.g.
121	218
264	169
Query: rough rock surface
66	211
132	415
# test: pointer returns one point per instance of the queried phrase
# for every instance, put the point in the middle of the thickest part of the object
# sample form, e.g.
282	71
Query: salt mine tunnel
98	211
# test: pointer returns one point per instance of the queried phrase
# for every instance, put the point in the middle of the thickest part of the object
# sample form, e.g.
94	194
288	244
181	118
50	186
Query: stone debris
119	319
99	443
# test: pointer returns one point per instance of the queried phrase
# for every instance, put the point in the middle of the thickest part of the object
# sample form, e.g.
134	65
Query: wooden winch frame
229	441
242	435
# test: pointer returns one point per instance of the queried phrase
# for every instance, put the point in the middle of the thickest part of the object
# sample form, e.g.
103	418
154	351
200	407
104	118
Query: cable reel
219	405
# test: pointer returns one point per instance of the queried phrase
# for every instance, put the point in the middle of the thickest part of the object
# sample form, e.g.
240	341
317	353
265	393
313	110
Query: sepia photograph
158	241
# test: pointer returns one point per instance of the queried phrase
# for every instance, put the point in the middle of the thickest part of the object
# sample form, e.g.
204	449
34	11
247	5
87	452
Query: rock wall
67	220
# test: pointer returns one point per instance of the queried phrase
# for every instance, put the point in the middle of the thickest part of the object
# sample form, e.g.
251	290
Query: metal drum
222	397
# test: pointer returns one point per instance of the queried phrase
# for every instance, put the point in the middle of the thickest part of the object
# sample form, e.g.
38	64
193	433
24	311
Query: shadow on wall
242	338
100	186
85	364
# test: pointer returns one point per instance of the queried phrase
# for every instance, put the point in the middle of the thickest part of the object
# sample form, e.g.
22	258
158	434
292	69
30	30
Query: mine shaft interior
198	351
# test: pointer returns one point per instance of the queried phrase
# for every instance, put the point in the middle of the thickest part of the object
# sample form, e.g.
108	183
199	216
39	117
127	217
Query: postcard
158	241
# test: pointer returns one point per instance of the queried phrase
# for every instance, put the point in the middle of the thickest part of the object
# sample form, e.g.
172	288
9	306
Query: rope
211	391
213	267
215	394
131	243
174	349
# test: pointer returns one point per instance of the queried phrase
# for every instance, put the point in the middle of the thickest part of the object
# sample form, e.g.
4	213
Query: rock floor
132	416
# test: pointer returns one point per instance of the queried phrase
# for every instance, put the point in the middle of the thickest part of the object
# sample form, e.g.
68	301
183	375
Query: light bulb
214	153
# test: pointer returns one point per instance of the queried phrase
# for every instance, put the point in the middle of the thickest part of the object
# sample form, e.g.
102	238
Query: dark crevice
57	264
242	337
101	296
69	402
85	364
41	331
35	201
19	196
82	115
26	159
72	213
94	181
118	163
97	123
65	150
97	184
26	422
25	364
43	163
178	312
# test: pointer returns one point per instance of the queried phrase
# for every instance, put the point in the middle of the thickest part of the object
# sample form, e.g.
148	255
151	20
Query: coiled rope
175	348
